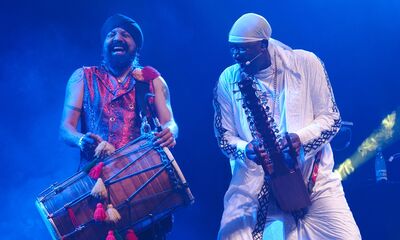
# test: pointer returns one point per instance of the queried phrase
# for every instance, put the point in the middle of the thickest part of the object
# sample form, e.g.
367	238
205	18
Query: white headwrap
250	27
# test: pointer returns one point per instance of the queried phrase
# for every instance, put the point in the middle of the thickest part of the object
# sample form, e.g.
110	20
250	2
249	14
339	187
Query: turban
126	23
250	27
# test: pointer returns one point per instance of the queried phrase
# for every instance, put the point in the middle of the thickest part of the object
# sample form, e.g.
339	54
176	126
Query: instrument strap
313	176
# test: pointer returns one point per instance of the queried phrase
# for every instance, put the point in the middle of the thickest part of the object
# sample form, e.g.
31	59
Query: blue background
43	42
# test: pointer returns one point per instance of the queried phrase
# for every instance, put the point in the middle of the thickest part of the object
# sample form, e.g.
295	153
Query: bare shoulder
160	85
74	89
159	82
77	76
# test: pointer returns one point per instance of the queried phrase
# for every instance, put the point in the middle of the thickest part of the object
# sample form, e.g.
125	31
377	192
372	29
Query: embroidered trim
228	149
334	107
325	135
263	200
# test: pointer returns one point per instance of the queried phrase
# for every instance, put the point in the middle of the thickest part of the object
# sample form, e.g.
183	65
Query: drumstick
179	173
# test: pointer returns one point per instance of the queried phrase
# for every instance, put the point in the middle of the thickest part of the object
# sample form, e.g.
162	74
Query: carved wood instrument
280	165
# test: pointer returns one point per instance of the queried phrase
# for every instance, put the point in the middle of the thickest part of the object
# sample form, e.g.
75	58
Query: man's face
119	48
247	52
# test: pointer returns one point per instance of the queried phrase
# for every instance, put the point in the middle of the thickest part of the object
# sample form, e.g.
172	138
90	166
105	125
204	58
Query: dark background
43	42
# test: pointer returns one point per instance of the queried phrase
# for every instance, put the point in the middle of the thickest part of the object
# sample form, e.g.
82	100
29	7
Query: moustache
117	46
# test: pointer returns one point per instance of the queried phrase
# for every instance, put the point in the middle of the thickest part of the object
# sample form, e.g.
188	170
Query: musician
296	88
105	98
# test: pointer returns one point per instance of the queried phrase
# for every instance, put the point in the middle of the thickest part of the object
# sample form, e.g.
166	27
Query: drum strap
145	102
142	88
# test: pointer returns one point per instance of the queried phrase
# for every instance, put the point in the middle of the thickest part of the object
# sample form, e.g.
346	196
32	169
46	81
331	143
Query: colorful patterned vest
110	109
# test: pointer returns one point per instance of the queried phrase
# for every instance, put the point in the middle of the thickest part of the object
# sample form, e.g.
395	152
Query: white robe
308	108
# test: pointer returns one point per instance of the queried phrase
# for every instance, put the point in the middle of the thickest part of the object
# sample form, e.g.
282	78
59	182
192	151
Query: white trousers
328	218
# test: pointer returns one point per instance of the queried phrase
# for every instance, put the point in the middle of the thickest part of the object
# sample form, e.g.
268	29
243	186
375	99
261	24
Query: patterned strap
263	201
313	176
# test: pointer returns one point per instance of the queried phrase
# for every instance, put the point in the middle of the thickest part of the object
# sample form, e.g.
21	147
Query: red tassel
72	217
149	73
99	213
130	235
110	235
95	172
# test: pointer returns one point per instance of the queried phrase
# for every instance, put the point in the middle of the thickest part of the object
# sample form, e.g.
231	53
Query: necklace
120	79
272	88
275	86
123	78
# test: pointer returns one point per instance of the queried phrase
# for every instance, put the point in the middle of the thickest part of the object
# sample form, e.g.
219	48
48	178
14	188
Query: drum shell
143	170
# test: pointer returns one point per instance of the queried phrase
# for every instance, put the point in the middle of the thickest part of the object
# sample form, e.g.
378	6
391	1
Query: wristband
80	142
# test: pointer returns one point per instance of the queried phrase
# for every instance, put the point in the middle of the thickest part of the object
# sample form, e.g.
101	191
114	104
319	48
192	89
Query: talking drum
142	182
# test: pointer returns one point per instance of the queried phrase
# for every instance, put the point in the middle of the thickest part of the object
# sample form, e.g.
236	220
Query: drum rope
109	183
146	183
127	166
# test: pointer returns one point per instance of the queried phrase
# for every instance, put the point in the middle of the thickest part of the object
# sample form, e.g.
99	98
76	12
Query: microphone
347	124
247	63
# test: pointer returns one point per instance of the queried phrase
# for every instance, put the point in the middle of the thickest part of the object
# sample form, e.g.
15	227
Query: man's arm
327	119
227	136
72	109
166	138
71	114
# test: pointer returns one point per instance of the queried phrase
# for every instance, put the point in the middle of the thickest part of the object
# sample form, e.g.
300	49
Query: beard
119	59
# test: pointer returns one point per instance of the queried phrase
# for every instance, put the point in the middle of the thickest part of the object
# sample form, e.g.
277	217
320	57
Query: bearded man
105	100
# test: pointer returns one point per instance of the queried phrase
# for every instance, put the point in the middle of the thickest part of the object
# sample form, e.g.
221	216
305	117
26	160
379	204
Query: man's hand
255	151
165	138
294	140
88	143
104	149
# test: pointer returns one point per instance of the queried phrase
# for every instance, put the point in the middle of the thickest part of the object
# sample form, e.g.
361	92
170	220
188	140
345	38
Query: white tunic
302	102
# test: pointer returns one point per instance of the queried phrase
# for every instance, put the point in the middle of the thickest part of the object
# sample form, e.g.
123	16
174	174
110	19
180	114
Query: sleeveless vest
109	109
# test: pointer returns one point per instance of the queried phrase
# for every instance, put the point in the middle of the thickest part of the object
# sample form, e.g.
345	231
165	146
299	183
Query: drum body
144	184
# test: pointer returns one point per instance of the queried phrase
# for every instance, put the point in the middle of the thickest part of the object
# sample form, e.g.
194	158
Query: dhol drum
143	183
